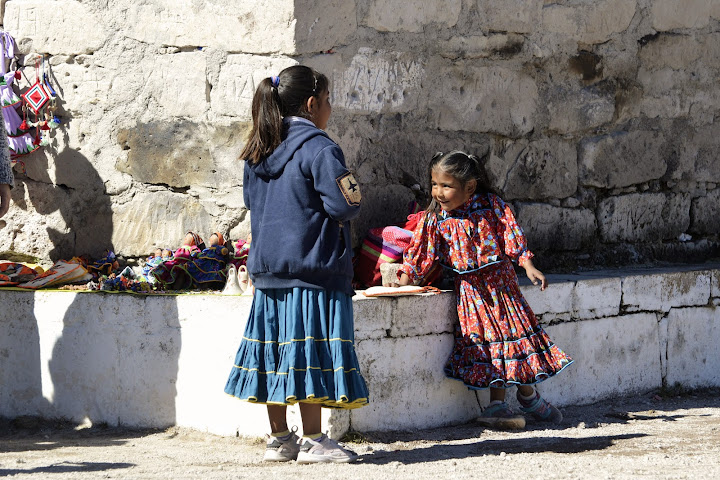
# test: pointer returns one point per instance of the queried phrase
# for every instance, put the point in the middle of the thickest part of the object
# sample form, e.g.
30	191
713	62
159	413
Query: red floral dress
499	341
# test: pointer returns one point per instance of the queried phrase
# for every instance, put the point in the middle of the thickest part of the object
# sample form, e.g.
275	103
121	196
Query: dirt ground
663	435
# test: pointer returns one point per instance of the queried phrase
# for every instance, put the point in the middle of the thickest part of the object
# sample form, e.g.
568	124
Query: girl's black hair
275	98
463	167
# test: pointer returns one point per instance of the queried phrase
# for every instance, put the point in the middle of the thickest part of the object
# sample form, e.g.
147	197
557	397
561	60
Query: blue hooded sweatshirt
299	199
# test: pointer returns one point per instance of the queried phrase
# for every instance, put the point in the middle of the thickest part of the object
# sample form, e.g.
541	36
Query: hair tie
275	81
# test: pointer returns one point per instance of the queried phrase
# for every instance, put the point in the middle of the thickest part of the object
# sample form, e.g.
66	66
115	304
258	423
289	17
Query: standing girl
298	345
499	342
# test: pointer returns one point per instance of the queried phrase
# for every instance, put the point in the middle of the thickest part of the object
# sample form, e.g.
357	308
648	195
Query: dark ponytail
275	98
463	167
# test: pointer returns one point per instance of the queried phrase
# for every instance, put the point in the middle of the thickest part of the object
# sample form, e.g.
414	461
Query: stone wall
155	361
595	119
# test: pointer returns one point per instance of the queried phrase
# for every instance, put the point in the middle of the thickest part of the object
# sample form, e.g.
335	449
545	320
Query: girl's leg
497	394
526	390
311	415
282	446
278	418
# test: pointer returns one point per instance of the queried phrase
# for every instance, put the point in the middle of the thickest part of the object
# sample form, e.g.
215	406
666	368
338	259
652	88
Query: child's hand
404	280
535	275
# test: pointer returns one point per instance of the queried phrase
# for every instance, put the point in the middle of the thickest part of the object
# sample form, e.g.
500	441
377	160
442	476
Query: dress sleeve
339	190
515	243
421	255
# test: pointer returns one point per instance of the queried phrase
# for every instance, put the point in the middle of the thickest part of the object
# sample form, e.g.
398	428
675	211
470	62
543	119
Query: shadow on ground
496	447
64	467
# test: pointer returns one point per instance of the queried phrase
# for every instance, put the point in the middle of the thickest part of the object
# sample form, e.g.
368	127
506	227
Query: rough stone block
597	298
408	388
534	170
239	76
483	99
55	26
678	14
289	27
323	24
715	284
438	314
51	232
697	161
622	159
378	81
705	214
665	291
412	15
81	85
678	74
250	27
677	52
373	317
186	98
182	154
481	46
519	16
621	358
556	299
573	111
643	217
589	22
156	219
555	228
693	347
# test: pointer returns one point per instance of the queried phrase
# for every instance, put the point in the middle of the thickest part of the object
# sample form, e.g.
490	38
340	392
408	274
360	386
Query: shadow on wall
121	376
69	356
77	193
76	367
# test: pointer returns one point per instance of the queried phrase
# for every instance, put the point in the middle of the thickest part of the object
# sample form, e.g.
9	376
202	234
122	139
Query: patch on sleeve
350	188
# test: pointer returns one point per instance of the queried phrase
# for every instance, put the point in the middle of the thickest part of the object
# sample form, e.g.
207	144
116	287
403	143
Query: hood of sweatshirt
296	132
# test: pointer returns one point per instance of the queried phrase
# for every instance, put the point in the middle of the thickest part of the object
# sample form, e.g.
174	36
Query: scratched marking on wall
376	81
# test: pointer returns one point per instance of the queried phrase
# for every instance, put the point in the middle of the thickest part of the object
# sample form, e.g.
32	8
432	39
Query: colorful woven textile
386	245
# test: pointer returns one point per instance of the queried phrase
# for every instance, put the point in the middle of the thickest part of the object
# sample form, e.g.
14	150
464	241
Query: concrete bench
156	361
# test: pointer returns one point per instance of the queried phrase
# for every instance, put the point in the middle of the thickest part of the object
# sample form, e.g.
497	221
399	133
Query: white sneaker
282	450
324	450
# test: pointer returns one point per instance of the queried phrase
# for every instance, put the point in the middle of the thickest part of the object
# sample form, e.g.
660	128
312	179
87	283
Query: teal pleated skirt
299	346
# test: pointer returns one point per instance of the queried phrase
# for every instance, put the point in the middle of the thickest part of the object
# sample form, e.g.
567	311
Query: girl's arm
420	257
535	275
338	188
515	243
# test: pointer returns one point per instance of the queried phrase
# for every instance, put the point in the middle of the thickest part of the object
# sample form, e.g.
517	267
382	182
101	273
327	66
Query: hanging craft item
20	141
36	97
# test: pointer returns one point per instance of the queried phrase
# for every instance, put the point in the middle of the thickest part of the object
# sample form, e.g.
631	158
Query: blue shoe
541	409
498	415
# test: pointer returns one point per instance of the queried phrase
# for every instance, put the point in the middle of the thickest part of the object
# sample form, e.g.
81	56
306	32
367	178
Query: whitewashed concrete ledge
158	361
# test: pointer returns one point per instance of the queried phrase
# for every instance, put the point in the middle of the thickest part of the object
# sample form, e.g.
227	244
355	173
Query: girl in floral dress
499	342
